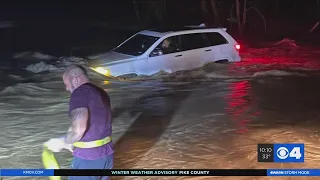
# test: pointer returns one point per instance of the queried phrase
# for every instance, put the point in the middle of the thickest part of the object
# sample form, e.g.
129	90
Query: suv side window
216	38
193	41
167	46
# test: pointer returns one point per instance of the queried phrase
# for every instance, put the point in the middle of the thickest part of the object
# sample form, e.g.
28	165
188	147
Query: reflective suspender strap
92	144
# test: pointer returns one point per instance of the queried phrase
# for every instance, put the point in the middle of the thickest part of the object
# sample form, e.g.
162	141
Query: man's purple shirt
100	125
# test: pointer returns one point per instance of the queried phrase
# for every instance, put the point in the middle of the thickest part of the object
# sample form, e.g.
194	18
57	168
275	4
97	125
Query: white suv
170	50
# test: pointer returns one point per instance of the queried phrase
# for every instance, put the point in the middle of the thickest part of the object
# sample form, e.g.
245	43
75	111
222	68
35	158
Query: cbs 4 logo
283	153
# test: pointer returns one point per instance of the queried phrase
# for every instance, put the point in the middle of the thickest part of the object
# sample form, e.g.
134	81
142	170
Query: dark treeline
67	25
260	17
254	17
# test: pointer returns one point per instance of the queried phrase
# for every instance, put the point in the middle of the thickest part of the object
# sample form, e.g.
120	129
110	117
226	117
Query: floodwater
211	117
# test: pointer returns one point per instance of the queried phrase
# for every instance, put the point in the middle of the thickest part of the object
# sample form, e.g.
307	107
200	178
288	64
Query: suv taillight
237	46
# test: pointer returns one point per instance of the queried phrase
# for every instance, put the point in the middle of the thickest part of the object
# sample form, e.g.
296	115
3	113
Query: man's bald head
74	76
75	71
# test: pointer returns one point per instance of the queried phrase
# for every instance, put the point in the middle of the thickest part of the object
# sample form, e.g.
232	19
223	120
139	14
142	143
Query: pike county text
165	172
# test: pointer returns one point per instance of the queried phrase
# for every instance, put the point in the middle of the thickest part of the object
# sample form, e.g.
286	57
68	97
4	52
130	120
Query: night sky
56	12
112	10
54	26
63	24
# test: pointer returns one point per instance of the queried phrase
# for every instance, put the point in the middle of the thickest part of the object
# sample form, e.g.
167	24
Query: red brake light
237	47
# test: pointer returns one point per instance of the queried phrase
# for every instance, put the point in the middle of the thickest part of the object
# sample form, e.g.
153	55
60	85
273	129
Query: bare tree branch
263	18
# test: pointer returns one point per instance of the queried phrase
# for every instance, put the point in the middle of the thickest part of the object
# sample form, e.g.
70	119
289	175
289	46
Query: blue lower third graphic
288	153
26	172
293	172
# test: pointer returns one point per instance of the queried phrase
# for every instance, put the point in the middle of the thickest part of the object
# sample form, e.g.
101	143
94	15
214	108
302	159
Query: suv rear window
216	38
193	41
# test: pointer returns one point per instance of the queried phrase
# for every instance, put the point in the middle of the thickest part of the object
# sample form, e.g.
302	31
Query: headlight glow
102	70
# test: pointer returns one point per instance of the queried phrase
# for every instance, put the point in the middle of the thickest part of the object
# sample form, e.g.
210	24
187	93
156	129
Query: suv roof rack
183	28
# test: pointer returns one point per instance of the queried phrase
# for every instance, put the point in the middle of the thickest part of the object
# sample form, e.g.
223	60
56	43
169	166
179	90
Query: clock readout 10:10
265	150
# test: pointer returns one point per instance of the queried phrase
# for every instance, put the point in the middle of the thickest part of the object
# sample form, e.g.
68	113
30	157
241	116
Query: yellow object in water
50	162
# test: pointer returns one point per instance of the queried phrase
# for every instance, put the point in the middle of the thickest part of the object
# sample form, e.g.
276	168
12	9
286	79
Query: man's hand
57	144
68	147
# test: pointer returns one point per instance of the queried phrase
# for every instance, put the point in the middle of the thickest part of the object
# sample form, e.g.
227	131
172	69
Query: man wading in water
89	137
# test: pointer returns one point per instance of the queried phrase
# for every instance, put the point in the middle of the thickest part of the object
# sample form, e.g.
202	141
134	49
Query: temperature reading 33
265	153
266	156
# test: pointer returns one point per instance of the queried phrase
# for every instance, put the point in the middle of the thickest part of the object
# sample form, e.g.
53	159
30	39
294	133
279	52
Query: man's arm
79	118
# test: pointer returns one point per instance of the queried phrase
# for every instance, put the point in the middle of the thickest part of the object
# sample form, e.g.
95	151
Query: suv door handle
178	55
208	50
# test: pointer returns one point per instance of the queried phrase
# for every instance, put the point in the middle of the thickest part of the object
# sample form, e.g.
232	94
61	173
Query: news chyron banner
281	153
159	172
274	153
